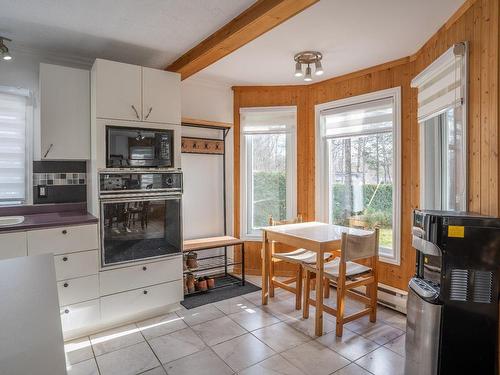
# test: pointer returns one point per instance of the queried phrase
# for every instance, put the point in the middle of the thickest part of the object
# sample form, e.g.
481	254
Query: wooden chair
347	275
298	257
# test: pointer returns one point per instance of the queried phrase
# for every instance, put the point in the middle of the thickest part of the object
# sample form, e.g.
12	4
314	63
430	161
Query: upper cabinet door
118	90
64	113
161	96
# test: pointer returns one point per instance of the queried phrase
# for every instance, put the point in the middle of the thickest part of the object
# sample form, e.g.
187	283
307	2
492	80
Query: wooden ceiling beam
261	17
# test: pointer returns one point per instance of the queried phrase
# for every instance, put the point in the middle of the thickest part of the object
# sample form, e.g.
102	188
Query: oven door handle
117	198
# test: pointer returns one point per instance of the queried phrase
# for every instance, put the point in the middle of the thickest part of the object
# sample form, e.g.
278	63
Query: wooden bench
200	244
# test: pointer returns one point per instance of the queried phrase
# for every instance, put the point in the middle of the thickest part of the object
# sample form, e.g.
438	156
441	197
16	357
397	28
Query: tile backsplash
59	178
63	181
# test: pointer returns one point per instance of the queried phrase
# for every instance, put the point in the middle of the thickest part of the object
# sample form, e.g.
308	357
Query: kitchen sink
10	220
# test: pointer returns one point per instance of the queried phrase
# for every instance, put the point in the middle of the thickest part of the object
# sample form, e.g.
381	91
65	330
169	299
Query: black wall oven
141	215
139	147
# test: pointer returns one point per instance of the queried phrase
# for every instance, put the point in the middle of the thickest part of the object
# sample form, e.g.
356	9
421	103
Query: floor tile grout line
151	348
95	357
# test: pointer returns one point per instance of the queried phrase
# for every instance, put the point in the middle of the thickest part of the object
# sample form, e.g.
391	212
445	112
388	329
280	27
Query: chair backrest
359	247
295	220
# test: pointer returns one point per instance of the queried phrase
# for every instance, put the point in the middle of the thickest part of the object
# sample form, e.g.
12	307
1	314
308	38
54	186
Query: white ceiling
145	32
352	35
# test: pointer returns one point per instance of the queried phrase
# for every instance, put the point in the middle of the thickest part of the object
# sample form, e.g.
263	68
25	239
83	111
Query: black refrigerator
452	310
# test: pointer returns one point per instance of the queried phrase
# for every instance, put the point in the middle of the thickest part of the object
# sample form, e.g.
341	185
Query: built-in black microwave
139	147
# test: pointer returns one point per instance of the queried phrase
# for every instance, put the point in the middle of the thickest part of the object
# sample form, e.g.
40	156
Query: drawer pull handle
145	292
144	268
64	231
65	285
65	259
66	311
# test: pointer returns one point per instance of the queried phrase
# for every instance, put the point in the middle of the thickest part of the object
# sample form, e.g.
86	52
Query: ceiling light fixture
298	70
308	58
4	51
308	77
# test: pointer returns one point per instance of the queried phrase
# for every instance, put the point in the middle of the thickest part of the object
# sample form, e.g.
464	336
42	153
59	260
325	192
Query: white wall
203	197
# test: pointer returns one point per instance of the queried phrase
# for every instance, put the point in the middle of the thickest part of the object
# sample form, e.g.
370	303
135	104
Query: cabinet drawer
63	239
140	300
120	280
69	266
13	245
80	315
78	290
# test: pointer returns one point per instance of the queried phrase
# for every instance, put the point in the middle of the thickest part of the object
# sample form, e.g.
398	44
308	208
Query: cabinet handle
144	268
65	259
135	110
149	112
48	150
65	285
64	231
145	292
66	311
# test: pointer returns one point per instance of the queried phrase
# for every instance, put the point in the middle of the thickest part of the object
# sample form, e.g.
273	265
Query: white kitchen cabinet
78	290
118	89
80	315
122	279
137	301
161	101
13	245
64	113
72	265
62	240
130	92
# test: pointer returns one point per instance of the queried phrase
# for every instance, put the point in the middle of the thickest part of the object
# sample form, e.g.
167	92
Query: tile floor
239	336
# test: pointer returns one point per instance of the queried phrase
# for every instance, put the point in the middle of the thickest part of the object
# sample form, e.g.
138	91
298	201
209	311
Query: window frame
246	173
28	143
322	163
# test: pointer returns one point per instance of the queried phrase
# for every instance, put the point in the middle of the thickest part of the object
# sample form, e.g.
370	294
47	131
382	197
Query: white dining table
315	236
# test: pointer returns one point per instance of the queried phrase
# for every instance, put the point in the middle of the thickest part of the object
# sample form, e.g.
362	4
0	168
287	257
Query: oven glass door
140	228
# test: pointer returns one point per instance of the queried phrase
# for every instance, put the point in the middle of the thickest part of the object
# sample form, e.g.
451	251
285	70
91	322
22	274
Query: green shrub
269	197
378	213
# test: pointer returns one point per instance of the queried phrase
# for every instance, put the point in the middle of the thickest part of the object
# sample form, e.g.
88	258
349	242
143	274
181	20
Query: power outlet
42	191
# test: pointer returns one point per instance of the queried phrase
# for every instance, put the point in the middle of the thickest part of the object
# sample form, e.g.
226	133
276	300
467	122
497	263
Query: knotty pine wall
476	22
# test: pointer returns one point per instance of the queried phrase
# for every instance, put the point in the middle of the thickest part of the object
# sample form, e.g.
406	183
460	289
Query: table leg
318	324
265	268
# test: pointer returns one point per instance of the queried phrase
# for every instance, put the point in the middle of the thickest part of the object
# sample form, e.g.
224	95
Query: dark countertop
46	216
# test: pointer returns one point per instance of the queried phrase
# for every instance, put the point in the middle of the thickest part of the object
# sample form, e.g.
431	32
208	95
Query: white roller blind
272	120
367	117
13	105
442	85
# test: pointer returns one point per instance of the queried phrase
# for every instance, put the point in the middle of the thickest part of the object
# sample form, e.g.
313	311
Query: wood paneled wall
475	22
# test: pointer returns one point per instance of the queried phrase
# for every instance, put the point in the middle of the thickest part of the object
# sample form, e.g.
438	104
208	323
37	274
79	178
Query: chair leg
373	302
306	293
271	272
340	308
298	289
327	288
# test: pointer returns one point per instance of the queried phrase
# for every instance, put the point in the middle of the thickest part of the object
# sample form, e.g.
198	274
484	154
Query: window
267	167
443	163
442	115
359	166
14	153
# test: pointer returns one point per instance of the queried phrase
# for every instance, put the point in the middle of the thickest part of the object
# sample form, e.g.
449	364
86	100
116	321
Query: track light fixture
308	58
4	51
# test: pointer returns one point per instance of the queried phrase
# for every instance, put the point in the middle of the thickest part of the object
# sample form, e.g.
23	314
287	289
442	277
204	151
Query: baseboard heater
388	296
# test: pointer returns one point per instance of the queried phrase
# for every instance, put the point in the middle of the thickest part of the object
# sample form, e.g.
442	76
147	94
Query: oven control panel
140	181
